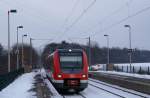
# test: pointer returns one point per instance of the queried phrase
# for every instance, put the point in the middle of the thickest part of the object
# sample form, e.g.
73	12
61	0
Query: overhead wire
80	16
108	16
41	39
71	13
72	42
109	27
101	21
124	19
71	38
77	19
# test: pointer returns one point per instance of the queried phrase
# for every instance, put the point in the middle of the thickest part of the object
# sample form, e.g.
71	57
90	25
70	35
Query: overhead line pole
89	51
32	48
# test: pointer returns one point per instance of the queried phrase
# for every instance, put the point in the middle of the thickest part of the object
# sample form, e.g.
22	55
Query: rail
117	88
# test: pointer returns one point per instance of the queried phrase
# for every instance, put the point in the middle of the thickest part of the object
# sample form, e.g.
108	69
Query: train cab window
71	62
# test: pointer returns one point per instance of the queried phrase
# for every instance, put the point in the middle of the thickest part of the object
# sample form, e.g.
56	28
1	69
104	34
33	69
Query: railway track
129	78
104	87
107	91
74	96
134	83
119	95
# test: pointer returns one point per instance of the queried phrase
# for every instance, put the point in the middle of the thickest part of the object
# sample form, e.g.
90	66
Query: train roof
65	50
69	50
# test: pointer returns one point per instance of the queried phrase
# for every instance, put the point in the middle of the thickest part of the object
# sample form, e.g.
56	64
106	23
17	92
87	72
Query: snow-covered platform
20	88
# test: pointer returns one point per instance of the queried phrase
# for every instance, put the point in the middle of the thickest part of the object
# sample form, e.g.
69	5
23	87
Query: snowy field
143	67
134	64
125	74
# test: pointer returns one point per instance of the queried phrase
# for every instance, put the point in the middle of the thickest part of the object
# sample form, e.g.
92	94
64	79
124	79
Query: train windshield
71	62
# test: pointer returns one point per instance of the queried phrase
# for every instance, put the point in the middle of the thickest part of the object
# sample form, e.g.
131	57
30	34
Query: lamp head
20	27
105	35
13	11
25	35
127	26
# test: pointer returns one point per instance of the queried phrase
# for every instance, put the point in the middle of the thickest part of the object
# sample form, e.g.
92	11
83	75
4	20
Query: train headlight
70	50
59	76
83	76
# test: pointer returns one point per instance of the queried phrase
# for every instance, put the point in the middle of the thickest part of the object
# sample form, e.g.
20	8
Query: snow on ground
134	64
117	91
20	87
126	74
92	92
144	66
51	88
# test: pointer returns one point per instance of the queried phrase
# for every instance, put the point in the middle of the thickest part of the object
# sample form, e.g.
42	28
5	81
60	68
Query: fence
3	69
132	69
7	78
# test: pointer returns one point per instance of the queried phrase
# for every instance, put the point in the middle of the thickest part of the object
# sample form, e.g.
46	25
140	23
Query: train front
71	70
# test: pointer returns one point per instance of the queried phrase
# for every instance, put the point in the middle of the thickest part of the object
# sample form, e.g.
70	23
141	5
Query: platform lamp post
18	27
31	51
107	36
25	35
130	48
10	11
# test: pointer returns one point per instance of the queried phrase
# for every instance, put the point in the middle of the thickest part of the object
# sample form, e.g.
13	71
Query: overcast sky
75	20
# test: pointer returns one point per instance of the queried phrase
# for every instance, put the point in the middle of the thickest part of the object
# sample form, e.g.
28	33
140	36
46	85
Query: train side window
51	63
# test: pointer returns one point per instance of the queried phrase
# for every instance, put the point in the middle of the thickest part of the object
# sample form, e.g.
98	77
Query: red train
67	69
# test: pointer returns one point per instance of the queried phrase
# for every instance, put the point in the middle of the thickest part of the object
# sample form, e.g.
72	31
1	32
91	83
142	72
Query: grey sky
47	19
